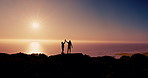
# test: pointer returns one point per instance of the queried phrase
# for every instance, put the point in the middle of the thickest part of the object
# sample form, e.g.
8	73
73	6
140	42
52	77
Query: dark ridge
76	65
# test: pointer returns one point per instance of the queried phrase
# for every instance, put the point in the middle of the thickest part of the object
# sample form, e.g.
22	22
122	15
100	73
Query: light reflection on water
35	47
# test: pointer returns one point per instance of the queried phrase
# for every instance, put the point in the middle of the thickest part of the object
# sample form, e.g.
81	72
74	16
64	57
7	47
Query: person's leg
70	50
67	51
62	50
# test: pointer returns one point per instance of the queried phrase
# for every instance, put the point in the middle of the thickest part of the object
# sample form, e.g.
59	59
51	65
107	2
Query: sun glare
35	25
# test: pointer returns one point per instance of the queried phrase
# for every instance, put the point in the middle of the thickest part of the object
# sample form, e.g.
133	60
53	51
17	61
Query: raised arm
65	41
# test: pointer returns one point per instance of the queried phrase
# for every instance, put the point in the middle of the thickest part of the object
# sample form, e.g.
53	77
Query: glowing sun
35	25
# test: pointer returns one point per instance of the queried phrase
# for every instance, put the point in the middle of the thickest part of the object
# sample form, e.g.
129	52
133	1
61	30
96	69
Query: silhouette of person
62	46
69	46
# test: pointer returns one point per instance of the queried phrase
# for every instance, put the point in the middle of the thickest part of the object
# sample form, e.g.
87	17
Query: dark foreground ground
72	66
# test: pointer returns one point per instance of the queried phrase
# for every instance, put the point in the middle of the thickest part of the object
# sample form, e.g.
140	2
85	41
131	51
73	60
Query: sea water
53	48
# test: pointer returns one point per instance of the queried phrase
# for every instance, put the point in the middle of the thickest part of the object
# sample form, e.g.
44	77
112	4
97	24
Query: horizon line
77	41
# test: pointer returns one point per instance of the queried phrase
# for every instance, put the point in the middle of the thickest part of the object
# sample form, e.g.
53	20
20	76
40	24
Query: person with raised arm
70	46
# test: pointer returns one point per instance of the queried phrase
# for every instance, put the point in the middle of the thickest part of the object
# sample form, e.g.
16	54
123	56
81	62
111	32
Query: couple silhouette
69	46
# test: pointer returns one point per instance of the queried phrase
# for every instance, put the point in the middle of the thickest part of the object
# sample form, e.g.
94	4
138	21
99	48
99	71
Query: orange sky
60	20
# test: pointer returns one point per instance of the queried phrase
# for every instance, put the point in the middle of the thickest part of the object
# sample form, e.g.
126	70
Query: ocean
53	48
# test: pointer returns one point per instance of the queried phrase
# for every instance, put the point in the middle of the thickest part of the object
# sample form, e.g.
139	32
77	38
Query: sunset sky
92	20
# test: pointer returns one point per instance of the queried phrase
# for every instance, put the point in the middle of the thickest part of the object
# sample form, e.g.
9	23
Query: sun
35	25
